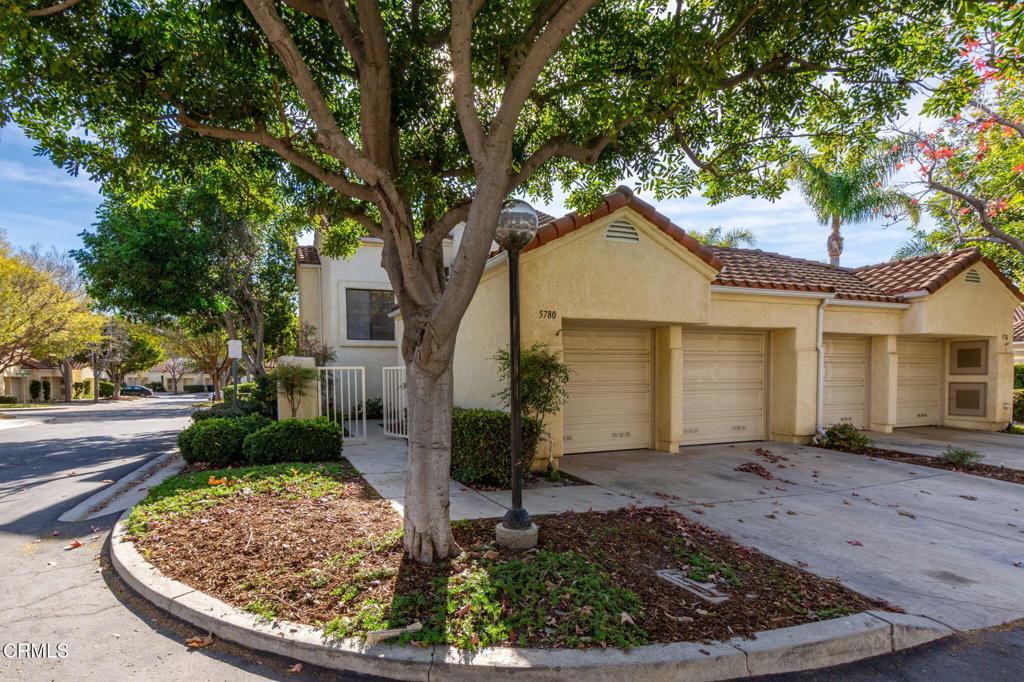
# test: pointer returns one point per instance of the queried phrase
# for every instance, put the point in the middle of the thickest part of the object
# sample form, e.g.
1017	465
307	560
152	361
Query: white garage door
723	387
917	386
846	381
609	405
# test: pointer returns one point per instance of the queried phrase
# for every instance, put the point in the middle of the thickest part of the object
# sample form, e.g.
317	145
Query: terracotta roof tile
753	268
307	255
924	273
620	198
1018	324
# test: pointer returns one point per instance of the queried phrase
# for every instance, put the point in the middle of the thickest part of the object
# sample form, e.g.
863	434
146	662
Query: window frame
955	386
956	346
347	331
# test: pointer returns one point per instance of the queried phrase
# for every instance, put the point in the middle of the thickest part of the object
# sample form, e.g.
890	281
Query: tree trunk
428	533
66	371
215	377
835	241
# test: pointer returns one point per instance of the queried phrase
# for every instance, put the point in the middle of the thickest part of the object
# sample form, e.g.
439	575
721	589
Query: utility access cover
705	591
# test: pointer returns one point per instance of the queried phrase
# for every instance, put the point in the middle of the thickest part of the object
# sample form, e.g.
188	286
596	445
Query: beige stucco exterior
583	279
17	381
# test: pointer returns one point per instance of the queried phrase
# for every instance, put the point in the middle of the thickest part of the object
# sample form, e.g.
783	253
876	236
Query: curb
133	485
792	649
15	423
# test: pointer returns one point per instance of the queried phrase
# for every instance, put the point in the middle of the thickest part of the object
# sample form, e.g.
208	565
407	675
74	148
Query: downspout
819	420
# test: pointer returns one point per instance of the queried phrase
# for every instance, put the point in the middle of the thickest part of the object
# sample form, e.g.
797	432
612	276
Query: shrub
217	442
374	408
106	389
194	388
244	390
1018	405
8	400
482	449
81	389
225	409
845	437
1018	376
155	385
294	381
542	380
295	440
265	394
34	389
961	456
46	390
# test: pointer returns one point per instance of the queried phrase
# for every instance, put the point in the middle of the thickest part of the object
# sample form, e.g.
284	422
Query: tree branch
462	78
50	10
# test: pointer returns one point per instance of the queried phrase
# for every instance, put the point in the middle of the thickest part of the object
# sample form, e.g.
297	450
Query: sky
42	204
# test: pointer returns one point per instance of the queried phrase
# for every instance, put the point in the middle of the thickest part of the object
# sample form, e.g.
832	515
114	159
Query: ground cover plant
313	543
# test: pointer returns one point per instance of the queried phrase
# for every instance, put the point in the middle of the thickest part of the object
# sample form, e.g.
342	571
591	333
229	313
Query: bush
295	381
218	441
845	437
155	385
244	390
194	388
225	409
481	447
374	408
34	389
8	400
1018	405
961	456
1018	376
46	390
81	389
295	440
265	394
106	389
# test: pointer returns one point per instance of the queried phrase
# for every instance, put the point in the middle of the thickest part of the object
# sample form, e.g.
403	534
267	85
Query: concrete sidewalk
999	449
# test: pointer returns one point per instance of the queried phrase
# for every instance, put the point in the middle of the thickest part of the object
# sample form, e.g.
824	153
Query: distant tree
850	189
309	345
731	239
174	365
206	346
125	348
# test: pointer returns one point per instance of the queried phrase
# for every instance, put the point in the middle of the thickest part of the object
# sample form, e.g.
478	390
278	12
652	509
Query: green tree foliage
542	381
726	239
124	348
851	189
294	381
402	119
220	249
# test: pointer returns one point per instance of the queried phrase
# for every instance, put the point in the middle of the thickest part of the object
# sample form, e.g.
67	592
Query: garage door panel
609	406
845	381
723	387
918	382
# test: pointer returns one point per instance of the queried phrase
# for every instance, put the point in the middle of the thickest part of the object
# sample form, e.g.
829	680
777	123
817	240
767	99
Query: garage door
846	381
723	387
609	405
917	386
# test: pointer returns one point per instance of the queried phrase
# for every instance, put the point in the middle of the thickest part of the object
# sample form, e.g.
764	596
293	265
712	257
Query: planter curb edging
801	647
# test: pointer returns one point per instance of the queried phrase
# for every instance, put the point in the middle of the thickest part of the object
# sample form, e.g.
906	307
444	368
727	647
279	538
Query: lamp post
517	225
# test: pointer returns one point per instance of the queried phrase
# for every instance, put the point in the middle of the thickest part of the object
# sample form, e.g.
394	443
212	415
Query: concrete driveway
938	544
999	449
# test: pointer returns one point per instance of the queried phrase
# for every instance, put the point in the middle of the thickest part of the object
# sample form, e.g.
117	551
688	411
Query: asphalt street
86	625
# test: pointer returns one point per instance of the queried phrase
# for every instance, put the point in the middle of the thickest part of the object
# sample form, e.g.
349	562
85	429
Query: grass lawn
316	545
22	406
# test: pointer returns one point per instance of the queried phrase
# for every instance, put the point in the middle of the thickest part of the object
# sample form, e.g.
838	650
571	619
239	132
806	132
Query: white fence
396	412
343	399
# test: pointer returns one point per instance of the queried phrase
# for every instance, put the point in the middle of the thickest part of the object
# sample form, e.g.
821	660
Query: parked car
136	390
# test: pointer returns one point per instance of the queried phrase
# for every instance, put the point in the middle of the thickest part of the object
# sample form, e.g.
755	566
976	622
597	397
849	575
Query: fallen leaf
491	555
297	668
463	611
199	642
218	481
907	514
855	543
75	544
626	619
972	498
847	502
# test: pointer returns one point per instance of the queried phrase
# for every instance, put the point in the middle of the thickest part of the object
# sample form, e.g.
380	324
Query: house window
968	357
967	399
366	315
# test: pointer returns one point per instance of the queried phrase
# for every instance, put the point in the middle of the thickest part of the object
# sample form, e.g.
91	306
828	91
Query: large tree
220	248
125	348
402	118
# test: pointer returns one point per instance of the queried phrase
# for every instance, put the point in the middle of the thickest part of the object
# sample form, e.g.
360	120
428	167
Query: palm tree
852	192
732	239
918	245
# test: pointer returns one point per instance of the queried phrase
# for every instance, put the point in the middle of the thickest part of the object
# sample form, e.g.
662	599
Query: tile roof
923	273
753	268
621	198
1018	324
307	255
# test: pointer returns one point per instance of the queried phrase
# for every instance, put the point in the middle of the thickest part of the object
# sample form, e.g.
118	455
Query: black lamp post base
516	519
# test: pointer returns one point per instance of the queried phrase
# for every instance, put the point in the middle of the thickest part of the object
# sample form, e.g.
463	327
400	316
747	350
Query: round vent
622	231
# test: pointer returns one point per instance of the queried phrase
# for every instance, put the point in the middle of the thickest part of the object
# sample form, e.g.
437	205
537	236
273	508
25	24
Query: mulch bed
315	559
985	470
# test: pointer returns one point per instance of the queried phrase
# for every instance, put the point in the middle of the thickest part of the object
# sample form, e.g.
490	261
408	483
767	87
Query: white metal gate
396	413
343	400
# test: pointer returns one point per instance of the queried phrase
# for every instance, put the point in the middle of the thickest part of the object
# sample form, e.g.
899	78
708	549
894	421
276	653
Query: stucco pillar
668	388
884	373
794	385
307	406
1001	378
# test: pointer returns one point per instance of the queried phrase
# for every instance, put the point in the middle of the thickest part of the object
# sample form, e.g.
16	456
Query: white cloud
49	176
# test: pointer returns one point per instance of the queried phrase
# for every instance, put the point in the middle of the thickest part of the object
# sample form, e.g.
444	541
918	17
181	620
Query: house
672	343
157	375
17	381
1018	336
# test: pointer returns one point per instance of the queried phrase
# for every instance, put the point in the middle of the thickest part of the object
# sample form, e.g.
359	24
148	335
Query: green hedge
218	441
244	390
155	385
295	440
265	394
225	409
1018	405
106	389
1018	376
8	400
481	447
194	388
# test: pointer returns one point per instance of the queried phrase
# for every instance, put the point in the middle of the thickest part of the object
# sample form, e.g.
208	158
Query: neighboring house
1018	336
17	381
673	343
155	375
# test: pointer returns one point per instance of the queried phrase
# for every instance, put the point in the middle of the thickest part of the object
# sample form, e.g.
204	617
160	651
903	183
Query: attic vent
973	277
622	231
